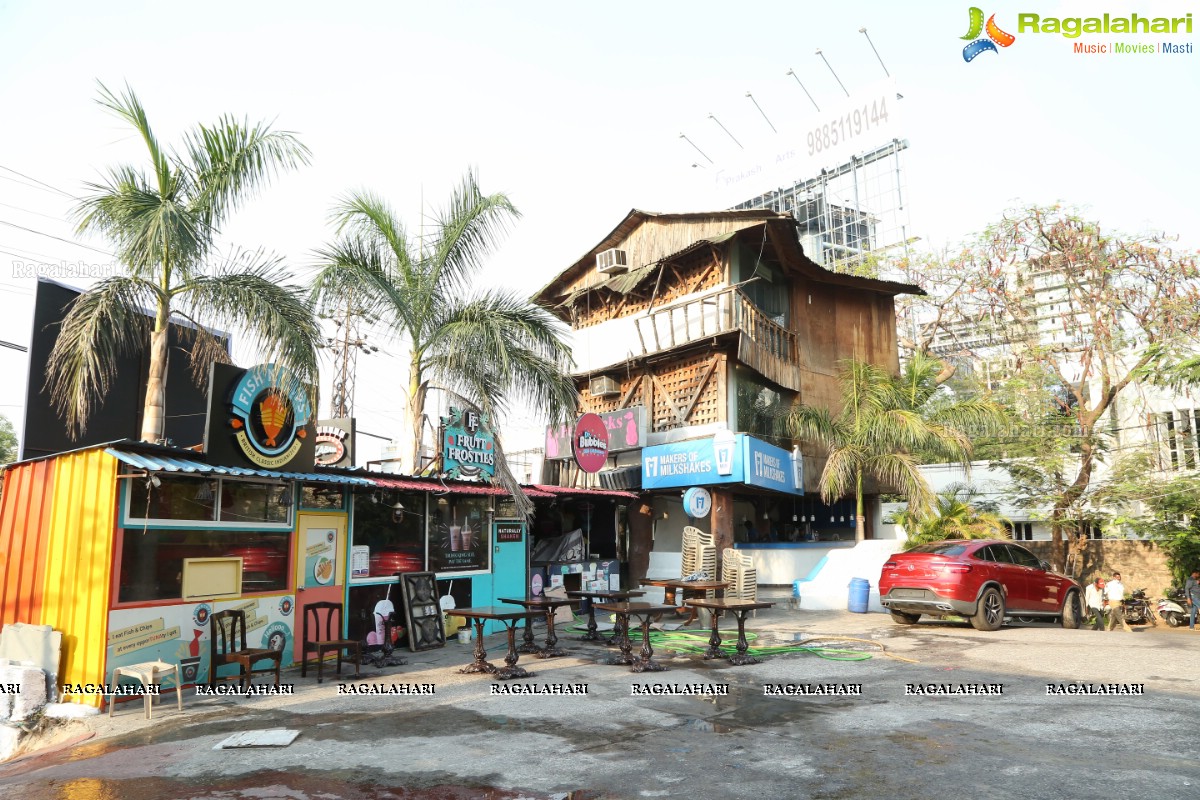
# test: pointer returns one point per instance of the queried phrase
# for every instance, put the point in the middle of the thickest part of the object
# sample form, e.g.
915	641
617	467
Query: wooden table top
634	608
728	605
492	612
702	586
606	593
546	602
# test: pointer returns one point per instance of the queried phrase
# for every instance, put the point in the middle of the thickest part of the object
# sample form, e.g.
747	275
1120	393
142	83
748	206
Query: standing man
1115	592
1093	595
1192	590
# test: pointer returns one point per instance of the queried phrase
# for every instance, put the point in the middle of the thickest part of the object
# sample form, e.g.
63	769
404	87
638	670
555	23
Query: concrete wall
1142	564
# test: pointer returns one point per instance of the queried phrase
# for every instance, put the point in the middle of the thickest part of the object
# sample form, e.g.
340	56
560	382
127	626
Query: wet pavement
466	742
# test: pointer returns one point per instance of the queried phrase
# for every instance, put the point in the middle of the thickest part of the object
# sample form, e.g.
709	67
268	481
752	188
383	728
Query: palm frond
231	160
526	359
360	267
468	230
129	108
204	348
102	324
253	292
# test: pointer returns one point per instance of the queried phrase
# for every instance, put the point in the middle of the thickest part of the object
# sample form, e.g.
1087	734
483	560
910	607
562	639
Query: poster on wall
181	634
459	543
320	557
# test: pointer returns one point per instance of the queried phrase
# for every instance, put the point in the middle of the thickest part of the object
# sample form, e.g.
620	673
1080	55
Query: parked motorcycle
1173	608
1138	610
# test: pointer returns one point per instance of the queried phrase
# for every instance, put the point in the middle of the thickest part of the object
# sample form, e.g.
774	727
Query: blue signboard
694	463
770	467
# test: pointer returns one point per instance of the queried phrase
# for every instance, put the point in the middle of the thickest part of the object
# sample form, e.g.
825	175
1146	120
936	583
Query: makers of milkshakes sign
468	445
589	443
260	417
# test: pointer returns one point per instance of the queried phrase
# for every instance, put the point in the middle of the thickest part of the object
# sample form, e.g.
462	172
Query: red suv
979	579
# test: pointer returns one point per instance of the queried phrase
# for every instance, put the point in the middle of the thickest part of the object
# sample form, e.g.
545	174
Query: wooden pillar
641	540
722	522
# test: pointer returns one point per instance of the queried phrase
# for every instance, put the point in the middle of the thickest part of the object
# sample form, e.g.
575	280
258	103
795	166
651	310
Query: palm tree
488	348
957	516
884	422
162	223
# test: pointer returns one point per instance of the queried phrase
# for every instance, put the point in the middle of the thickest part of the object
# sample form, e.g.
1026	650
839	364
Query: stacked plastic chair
699	555
737	569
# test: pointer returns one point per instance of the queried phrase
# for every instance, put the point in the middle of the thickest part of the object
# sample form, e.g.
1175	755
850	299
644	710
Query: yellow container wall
79	562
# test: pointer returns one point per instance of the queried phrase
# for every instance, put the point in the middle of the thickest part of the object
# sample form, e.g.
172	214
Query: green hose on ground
695	642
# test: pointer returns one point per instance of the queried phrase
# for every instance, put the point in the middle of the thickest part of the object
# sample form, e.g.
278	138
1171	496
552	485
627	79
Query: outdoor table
682	587
740	609
601	594
543	605
509	617
645	662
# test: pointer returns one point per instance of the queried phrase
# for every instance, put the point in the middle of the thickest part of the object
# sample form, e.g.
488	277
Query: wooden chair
227	645
324	639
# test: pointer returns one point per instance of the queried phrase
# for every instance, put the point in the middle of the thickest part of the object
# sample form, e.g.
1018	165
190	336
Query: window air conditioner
603	386
612	262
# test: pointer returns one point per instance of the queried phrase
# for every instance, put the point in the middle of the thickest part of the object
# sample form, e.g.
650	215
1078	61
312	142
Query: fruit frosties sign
468	445
259	417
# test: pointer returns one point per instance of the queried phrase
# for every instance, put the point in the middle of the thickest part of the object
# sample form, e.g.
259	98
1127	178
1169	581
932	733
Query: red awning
441	487
554	491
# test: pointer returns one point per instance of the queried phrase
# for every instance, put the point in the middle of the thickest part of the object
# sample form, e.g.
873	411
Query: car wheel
989	612
1072	614
1173	619
900	618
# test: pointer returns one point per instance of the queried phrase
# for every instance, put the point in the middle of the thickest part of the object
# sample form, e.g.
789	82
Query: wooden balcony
763	344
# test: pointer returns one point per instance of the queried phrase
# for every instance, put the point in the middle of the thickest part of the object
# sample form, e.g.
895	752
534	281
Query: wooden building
704	322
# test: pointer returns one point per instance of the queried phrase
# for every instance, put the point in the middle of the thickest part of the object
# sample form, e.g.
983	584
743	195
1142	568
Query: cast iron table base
740	609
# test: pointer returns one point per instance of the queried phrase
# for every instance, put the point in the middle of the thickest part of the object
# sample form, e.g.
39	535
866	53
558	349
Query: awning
555	491
186	465
443	487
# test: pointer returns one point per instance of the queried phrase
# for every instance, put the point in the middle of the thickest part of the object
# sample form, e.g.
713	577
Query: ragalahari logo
995	36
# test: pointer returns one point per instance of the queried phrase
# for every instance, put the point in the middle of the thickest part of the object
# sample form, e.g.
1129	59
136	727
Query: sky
575	111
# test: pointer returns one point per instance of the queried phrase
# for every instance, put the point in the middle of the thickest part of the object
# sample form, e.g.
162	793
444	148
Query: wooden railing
765	345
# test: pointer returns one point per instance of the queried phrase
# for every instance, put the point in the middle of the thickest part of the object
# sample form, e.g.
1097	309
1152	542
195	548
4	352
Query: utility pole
346	344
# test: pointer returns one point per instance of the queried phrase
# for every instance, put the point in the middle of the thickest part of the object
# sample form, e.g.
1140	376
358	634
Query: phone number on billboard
850	125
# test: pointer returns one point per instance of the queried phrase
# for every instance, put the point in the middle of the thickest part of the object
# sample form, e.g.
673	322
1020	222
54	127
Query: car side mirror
1044	565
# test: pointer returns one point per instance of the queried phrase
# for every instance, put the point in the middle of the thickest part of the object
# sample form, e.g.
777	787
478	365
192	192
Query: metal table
645	662
740	609
543	605
509	616
601	594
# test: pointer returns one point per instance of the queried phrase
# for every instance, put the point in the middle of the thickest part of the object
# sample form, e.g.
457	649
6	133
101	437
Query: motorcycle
1173	608
1138	610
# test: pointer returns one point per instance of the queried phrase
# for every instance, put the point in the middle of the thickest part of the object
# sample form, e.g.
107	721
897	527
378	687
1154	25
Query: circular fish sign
697	502
589	443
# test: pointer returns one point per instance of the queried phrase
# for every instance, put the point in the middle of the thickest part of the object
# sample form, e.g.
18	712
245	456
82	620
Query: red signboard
589	443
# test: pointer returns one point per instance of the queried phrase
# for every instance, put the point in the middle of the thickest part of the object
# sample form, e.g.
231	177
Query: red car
982	580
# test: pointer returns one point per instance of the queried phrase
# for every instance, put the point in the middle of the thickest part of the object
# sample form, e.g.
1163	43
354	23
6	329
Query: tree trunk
416	407
860	527
154	410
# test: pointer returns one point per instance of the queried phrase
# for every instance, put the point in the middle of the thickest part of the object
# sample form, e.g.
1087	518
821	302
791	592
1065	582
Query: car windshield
941	548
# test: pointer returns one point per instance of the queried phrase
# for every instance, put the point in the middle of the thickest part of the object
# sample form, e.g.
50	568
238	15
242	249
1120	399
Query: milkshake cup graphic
467	537
455	537
723	442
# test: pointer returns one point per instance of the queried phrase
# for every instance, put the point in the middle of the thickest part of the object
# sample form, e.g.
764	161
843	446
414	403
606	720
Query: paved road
885	743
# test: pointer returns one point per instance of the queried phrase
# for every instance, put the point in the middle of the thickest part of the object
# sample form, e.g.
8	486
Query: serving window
172	501
391	525
152	561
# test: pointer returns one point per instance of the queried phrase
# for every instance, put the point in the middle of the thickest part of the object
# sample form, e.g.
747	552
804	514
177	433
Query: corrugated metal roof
564	490
172	464
433	485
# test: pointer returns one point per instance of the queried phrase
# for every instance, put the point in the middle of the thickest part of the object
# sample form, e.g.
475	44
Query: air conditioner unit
603	386
612	262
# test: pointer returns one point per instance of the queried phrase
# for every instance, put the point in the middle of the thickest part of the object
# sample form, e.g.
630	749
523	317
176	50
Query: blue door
508	576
